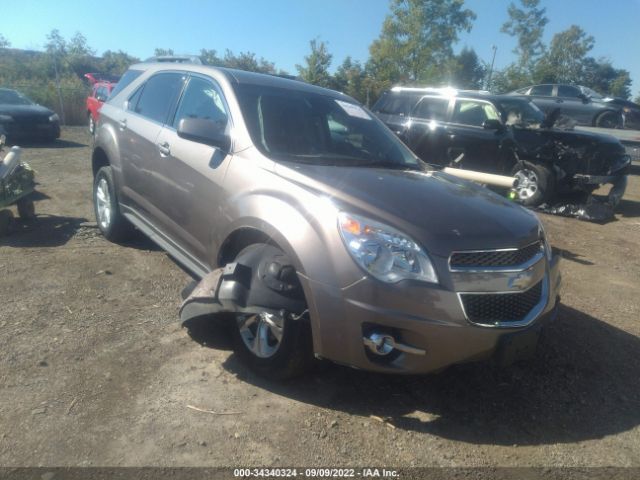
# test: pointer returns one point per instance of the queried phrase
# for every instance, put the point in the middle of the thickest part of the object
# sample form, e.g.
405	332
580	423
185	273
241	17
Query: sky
280	30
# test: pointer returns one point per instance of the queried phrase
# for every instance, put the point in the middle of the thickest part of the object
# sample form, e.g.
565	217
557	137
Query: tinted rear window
127	78
395	103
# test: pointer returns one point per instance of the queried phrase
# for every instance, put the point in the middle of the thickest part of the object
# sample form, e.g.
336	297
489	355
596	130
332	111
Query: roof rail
193	59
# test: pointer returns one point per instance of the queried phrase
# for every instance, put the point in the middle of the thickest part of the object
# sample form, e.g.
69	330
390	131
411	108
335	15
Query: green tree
80	56
162	52
4	43
417	39
603	77
565	60
210	57
247	61
509	79
316	67
350	79
116	63
466	70
526	24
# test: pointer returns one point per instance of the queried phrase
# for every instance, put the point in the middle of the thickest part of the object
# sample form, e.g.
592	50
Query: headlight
54	118
545	241
383	251
6	119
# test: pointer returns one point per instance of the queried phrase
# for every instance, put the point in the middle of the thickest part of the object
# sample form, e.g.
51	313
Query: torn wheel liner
261	280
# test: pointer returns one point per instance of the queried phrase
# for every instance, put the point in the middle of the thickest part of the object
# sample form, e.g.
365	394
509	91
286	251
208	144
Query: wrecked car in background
313	229
505	135
584	105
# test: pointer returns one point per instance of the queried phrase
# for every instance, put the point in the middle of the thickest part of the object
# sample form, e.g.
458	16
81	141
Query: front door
468	143
193	173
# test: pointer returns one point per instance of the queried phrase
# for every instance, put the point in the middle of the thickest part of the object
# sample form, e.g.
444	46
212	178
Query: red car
101	87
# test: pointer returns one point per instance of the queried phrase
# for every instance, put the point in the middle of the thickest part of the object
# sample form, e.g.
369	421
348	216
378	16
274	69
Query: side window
128	77
542	90
133	99
395	104
202	99
473	112
431	108
567	91
159	95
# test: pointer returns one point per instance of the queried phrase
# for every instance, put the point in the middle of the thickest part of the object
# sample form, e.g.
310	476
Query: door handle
559	101
123	124
165	149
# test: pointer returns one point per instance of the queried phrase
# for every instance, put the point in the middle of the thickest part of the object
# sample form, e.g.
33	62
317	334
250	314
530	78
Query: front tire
276	345
113	225
535	183
609	119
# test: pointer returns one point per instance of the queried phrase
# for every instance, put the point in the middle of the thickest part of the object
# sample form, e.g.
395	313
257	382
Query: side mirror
101	98
493	124
202	130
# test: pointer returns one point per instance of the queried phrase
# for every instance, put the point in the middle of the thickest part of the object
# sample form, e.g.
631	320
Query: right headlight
384	252
545	241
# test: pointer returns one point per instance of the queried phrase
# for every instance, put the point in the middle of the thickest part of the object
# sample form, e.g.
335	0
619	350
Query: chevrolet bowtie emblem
521	280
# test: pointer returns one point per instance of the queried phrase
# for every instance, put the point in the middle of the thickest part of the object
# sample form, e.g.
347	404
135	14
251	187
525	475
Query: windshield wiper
389	165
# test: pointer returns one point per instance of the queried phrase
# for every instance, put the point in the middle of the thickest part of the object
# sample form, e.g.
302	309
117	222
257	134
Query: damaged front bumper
414	327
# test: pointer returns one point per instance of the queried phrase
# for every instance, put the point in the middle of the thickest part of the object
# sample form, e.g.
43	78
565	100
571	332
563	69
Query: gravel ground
96	369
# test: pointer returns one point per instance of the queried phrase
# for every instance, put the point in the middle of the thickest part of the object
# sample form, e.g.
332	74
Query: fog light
383	344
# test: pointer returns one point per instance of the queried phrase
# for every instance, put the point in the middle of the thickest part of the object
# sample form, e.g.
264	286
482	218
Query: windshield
516	111
11	97
591	93
300	126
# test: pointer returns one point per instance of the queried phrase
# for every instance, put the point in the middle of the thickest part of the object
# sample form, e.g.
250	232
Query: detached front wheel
275	343
534	183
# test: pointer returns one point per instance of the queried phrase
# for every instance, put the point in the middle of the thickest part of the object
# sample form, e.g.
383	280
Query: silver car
313	229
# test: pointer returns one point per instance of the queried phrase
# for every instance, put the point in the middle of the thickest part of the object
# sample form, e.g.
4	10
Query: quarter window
201	99
474	113
159	95
542	90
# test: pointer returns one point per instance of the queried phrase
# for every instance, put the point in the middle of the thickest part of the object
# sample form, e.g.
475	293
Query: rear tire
92	124
113	225
535	183
275	346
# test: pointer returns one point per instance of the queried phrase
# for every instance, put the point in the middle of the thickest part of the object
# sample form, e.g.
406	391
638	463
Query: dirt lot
96	369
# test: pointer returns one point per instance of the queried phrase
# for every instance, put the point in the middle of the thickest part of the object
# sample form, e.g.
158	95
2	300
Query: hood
18	111
439	211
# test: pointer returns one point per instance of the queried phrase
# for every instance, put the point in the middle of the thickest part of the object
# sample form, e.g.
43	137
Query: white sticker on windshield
353	110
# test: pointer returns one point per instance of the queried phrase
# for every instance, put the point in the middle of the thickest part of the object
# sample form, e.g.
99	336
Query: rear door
192	173
466	136
543	97
147	110
426	129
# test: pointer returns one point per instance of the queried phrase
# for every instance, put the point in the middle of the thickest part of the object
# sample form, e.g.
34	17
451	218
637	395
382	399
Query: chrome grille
494	258
492	308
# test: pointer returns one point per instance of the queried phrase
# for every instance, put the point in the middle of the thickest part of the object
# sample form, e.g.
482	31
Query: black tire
26	209
6	217
294	354
544	189
609	119
116	228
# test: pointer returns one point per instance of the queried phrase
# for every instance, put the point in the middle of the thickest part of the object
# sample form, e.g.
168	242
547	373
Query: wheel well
238	241
99	159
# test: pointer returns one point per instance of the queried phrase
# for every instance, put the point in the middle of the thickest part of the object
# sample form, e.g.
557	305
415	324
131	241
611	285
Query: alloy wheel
103	203
526	183
262	333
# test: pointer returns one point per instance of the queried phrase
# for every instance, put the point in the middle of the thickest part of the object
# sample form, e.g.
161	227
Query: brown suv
313	227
